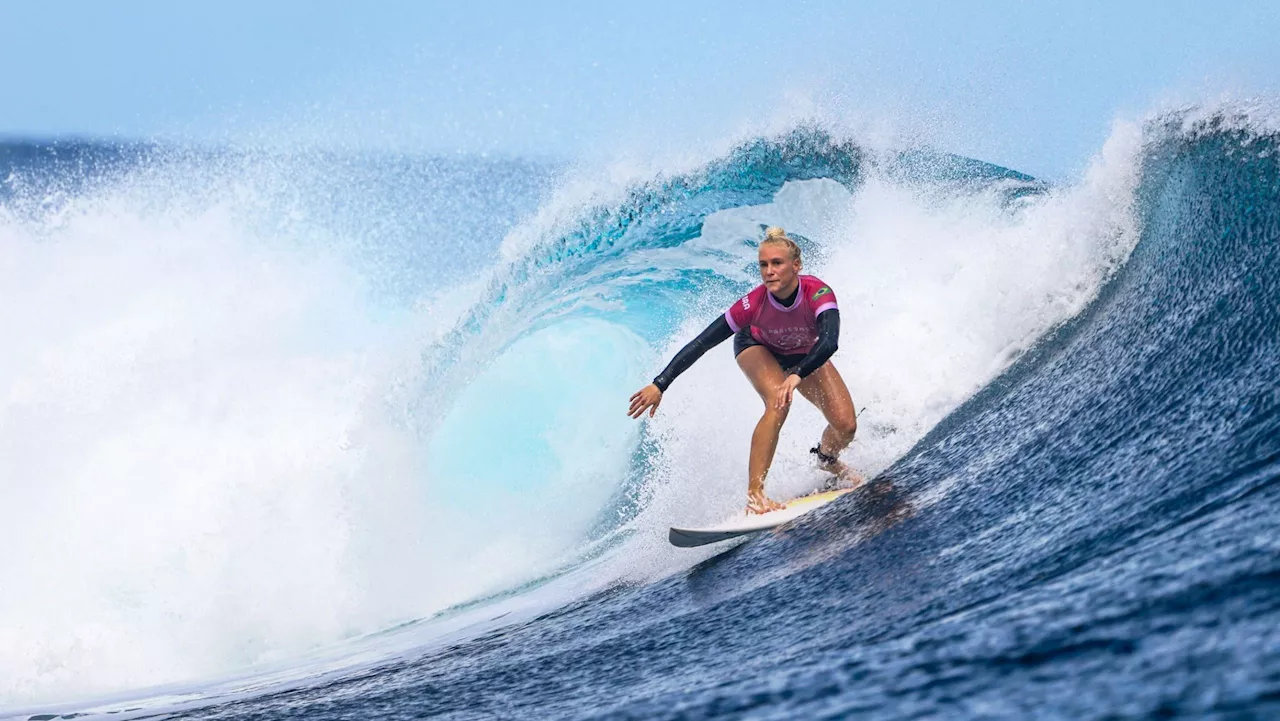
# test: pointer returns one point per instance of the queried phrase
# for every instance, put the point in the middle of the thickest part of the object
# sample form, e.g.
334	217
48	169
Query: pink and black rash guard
787	330
801	331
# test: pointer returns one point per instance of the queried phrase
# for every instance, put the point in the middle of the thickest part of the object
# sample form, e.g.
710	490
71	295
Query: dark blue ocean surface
1095	534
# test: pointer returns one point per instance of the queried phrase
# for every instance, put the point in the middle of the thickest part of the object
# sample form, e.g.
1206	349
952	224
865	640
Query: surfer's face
778	271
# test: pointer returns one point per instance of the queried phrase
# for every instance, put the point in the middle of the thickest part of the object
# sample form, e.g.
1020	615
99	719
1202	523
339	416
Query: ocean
331	435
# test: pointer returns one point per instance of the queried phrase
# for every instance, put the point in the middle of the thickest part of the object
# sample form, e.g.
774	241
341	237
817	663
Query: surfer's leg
766	376
826	390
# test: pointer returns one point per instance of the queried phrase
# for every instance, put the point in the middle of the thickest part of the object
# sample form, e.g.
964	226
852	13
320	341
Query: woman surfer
784	334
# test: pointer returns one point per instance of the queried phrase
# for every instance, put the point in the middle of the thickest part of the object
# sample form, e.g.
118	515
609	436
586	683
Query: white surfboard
752	522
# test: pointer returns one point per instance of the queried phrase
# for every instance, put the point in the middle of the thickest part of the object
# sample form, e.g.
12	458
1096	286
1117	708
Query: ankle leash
826	458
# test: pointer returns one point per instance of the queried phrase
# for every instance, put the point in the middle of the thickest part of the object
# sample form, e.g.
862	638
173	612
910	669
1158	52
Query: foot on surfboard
843	475
760	503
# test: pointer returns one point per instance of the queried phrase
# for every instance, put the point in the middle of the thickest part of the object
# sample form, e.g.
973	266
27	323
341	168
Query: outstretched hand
645	399
785	390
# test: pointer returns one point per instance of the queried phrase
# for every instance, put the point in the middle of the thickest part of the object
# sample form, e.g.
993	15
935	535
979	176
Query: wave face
1071	413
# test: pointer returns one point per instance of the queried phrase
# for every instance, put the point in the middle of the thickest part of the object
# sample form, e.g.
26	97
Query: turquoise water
367	458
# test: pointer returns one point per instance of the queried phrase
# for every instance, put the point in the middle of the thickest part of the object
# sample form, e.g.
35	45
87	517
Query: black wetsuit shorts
743	340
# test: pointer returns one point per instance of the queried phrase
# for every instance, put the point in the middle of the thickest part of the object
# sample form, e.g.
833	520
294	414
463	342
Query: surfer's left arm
818	355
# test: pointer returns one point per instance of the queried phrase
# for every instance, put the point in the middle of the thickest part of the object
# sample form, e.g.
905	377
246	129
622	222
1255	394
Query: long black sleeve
714	335
828	341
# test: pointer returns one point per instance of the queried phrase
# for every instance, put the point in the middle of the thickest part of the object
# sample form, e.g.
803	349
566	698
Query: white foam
204	457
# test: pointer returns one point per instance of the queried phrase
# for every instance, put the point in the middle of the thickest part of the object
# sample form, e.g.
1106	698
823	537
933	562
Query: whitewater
322	435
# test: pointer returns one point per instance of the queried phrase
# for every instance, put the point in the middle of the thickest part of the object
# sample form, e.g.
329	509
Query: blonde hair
774	234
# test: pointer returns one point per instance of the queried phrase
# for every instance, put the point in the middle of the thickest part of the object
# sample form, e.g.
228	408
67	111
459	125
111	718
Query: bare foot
760	503
845	477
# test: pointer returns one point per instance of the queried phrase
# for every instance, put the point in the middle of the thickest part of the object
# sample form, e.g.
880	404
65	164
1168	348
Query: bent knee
776	415
845	425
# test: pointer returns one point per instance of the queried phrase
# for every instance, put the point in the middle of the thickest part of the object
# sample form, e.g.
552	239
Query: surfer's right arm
650	396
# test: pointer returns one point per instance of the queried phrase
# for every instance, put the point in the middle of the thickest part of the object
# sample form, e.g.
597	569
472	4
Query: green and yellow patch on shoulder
821	292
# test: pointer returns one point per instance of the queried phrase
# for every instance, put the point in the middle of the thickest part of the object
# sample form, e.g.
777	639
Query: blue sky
1034	86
